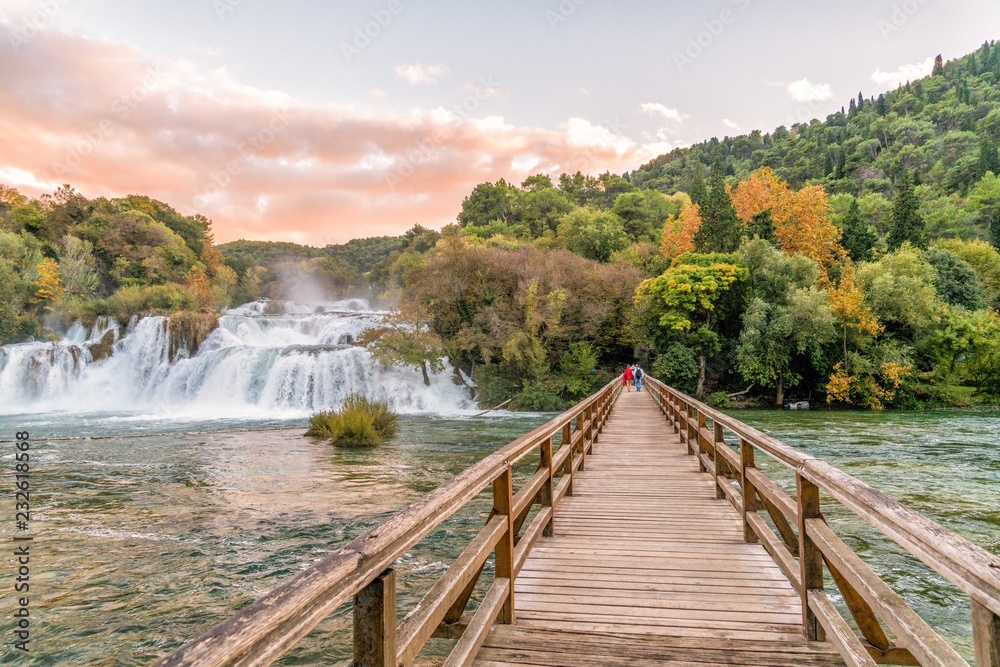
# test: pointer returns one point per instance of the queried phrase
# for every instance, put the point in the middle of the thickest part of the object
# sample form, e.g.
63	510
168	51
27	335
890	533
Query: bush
143	300
360	422
538	398
719	400
677	367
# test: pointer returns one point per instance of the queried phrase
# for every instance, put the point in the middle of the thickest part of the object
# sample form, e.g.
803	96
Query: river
192	492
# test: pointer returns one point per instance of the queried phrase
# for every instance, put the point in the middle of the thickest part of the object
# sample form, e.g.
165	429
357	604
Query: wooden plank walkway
647	568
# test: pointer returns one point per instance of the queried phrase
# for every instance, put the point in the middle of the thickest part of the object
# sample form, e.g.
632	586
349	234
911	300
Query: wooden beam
985	636
375	622
505	547
810	557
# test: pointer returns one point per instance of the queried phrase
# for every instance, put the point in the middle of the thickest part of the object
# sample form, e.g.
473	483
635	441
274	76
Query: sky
317	122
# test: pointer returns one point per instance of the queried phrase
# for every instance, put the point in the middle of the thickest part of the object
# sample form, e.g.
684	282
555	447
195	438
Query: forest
852	261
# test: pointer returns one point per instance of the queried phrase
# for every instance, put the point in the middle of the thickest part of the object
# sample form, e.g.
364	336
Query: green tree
684	298
989	157
907	225
78	267
720	227
488	202
592	233
404	340
857	238
775	335
956	281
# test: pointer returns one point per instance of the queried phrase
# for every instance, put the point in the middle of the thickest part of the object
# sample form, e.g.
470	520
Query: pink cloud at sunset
261	164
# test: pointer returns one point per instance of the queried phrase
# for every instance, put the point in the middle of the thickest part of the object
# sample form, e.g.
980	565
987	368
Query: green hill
944	128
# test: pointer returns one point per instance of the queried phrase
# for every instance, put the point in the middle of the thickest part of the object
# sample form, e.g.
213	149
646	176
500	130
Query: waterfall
257	363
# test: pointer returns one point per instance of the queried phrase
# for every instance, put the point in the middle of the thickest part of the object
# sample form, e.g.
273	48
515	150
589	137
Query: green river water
147	538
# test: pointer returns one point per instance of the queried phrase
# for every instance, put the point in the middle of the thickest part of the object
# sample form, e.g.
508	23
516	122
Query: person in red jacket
627	378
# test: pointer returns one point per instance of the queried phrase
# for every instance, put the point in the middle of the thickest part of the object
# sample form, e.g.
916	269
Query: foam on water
254	365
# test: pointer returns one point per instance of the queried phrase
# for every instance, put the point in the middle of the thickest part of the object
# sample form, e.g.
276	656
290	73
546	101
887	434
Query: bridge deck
647	568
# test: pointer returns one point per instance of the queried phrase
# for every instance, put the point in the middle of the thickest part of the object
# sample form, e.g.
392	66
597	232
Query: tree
907	225
956	281
48	287
593	234
77	267
938	66
488	202
857	238
720	228
802	223
698	191
684	298
775	334
679	232
989	156
761	226
404	340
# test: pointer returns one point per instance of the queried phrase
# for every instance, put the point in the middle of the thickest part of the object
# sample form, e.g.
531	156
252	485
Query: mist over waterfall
255	364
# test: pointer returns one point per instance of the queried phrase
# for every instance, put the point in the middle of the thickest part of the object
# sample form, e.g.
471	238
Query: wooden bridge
645	535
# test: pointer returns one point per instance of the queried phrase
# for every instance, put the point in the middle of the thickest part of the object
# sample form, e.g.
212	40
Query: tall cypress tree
938	66
858	239
989	157
720	228
698	192
880	105
907	225
995	230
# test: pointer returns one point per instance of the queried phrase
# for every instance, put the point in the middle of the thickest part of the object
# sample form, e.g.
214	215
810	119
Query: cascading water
255	364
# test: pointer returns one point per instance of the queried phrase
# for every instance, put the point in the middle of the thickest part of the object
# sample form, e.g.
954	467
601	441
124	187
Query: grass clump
360	422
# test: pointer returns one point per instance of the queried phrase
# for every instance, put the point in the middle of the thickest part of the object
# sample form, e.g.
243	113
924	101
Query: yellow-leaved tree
679	231
48	286
802	224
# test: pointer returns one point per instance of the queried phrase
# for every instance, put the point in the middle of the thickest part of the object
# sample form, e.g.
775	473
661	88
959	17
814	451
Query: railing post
375	623
717	442
810	557
702	445
567	441
583	441
546	494
748	489
591	435
503	494
985	635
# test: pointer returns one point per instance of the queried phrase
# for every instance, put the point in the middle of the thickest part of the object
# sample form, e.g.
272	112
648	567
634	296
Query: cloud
262	164
805	91
730	124
656	109
416	75
902	74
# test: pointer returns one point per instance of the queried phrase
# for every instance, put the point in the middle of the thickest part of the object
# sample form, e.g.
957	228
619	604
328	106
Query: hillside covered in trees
852	260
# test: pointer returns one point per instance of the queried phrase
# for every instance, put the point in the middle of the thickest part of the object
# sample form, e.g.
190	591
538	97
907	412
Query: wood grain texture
648	567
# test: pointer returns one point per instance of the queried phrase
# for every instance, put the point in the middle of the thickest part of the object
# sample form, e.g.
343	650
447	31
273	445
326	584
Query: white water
254	365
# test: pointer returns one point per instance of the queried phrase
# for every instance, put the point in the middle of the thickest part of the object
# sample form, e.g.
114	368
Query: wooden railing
265	630
805	547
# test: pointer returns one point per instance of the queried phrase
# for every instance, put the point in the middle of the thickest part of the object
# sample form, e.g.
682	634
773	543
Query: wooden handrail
265	630
972	569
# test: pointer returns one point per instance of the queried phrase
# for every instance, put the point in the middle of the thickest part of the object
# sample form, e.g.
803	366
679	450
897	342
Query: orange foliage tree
48	286
679	231
802	222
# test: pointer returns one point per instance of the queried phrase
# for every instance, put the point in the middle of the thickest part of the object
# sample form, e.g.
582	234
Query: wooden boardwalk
647	567
644	565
